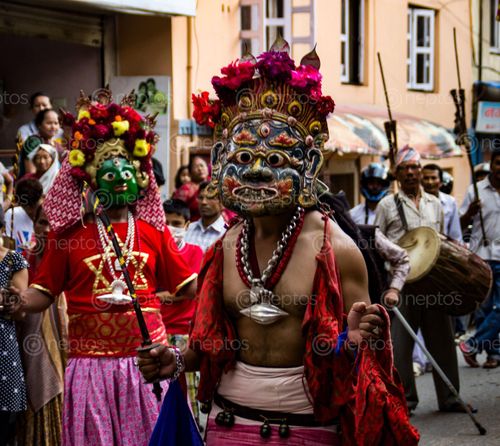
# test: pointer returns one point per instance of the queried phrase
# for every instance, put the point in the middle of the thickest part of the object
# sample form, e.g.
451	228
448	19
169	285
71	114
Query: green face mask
117	183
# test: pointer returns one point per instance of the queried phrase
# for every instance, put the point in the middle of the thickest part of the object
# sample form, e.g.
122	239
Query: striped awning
359	129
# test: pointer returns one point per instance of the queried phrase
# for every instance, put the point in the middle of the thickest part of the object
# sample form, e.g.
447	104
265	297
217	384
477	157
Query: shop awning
150	7
359	129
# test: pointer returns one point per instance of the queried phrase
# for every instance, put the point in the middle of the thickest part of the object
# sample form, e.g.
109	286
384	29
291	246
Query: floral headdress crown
271	86
103	129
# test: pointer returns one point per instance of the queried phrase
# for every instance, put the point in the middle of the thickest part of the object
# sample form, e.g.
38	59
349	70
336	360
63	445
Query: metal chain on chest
108	247
277	253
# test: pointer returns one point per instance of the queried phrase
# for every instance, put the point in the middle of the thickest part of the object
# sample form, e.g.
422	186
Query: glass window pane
275	9
343	17
420	68
246	18
343	69
427	70
423	34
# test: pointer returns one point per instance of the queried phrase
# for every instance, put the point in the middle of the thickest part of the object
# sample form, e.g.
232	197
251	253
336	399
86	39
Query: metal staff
389	126
461	131
438	369
147	344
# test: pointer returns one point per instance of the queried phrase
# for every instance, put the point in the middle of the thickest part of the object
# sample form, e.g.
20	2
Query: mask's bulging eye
127	175
108	176
243	157
276	160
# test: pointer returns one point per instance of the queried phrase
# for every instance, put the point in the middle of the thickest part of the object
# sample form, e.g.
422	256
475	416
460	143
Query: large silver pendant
262	311
117	296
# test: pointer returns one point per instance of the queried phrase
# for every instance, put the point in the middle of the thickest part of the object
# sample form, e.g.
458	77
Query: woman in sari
47	123
46	162
43	336
13	271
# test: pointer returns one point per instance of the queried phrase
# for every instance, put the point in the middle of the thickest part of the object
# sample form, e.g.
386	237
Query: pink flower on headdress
308	79
275	65
206	111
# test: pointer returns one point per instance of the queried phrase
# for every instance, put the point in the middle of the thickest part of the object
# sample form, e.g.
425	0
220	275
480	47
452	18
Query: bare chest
294	288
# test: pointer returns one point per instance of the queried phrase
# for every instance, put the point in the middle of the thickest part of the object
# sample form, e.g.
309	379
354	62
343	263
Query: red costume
97	328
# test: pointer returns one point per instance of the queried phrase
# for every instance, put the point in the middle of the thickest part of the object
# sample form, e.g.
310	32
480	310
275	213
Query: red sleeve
172	271
52	272
194	257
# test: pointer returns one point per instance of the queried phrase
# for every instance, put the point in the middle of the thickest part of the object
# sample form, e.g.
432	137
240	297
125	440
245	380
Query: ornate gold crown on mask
103	129
271	87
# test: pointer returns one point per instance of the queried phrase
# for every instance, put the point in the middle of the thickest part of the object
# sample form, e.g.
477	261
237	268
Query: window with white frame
250	26
261	21
495	27
277	21
420	49
352	38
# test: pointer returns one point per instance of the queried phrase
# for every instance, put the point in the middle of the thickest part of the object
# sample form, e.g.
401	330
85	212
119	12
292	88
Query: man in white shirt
38	101
432	179
374	186
397	214
211	226
486	337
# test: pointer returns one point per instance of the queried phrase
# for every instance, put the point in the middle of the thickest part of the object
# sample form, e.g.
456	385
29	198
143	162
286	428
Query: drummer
397	214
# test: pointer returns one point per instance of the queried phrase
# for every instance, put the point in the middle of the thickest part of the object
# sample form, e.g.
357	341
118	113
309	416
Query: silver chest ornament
261	309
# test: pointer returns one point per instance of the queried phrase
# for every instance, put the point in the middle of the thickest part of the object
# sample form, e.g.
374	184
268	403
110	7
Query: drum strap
401	212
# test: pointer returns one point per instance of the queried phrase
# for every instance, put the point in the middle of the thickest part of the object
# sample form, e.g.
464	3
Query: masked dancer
105	400
284	329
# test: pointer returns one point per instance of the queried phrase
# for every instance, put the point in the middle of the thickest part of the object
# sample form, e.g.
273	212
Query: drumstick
438	369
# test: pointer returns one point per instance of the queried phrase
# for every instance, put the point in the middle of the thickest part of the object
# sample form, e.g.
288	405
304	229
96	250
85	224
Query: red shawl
366	394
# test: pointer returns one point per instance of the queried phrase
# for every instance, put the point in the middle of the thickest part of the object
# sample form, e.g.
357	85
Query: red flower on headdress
206	111
131	115
236	74
79	174
101	131
99	112
325	105
276	65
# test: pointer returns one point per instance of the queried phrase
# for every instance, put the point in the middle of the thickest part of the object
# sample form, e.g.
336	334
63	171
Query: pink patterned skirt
107	403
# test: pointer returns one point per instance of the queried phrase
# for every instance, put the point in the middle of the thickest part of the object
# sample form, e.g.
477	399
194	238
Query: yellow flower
141	148
83	114
120	127
76	158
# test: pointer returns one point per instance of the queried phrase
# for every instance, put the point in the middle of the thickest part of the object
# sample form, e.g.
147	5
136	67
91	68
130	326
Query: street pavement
480	388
